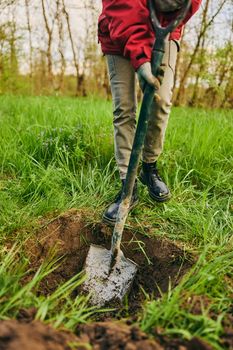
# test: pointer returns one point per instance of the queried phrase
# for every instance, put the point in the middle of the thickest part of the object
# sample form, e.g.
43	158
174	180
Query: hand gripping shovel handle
157	56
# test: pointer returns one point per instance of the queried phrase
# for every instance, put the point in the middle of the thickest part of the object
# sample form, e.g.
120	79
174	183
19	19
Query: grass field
57	154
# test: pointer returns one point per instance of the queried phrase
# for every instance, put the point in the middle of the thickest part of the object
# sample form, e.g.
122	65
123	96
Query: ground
161	266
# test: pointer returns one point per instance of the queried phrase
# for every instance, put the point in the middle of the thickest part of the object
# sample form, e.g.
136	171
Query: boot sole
158	199
112	222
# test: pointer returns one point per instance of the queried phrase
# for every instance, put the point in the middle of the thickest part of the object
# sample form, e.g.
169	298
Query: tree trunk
203	31
49	31
29	28
59	19
75	60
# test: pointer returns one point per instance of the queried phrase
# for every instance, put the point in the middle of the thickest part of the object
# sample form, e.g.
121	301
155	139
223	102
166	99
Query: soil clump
35	335
15	335
114	336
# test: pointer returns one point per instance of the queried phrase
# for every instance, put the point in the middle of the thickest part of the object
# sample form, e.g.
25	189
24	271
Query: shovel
109	274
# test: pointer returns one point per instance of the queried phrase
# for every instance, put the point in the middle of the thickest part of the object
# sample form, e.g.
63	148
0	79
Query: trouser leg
161	107
122	80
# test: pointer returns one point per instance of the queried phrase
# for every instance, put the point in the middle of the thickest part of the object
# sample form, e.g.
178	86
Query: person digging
127	37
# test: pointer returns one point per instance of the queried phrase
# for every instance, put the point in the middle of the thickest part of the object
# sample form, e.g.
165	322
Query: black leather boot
149	176
110	214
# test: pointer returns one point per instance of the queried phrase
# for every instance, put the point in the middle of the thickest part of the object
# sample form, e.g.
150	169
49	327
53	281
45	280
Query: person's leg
157	127
122	81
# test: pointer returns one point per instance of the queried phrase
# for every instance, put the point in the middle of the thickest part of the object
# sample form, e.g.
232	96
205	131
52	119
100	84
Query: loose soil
33	336
15	335
161	262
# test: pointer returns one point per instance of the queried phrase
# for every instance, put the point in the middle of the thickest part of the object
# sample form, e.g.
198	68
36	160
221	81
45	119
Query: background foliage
51	48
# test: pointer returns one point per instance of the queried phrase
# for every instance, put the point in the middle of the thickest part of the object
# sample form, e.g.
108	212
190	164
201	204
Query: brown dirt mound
160	261
114	336
15	335
33	336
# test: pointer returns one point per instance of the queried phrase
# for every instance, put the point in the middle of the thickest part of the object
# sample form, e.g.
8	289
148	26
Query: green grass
57	153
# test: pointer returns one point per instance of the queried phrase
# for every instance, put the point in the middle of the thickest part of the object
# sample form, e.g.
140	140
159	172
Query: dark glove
145	75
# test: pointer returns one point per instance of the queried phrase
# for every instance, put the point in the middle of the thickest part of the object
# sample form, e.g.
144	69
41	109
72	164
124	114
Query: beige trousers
123	87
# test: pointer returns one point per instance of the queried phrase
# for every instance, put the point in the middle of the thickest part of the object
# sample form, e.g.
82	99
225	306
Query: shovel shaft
149	93
139	138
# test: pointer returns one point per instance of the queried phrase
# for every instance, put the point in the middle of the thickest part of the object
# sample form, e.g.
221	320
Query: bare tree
201	56
178	61
60	24
75	58
6	3
49	29
224	77
29	28
205	25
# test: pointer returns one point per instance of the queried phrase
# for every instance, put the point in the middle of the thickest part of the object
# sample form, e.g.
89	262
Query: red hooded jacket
124	29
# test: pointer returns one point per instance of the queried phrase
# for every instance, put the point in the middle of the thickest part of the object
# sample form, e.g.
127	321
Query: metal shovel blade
103	286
